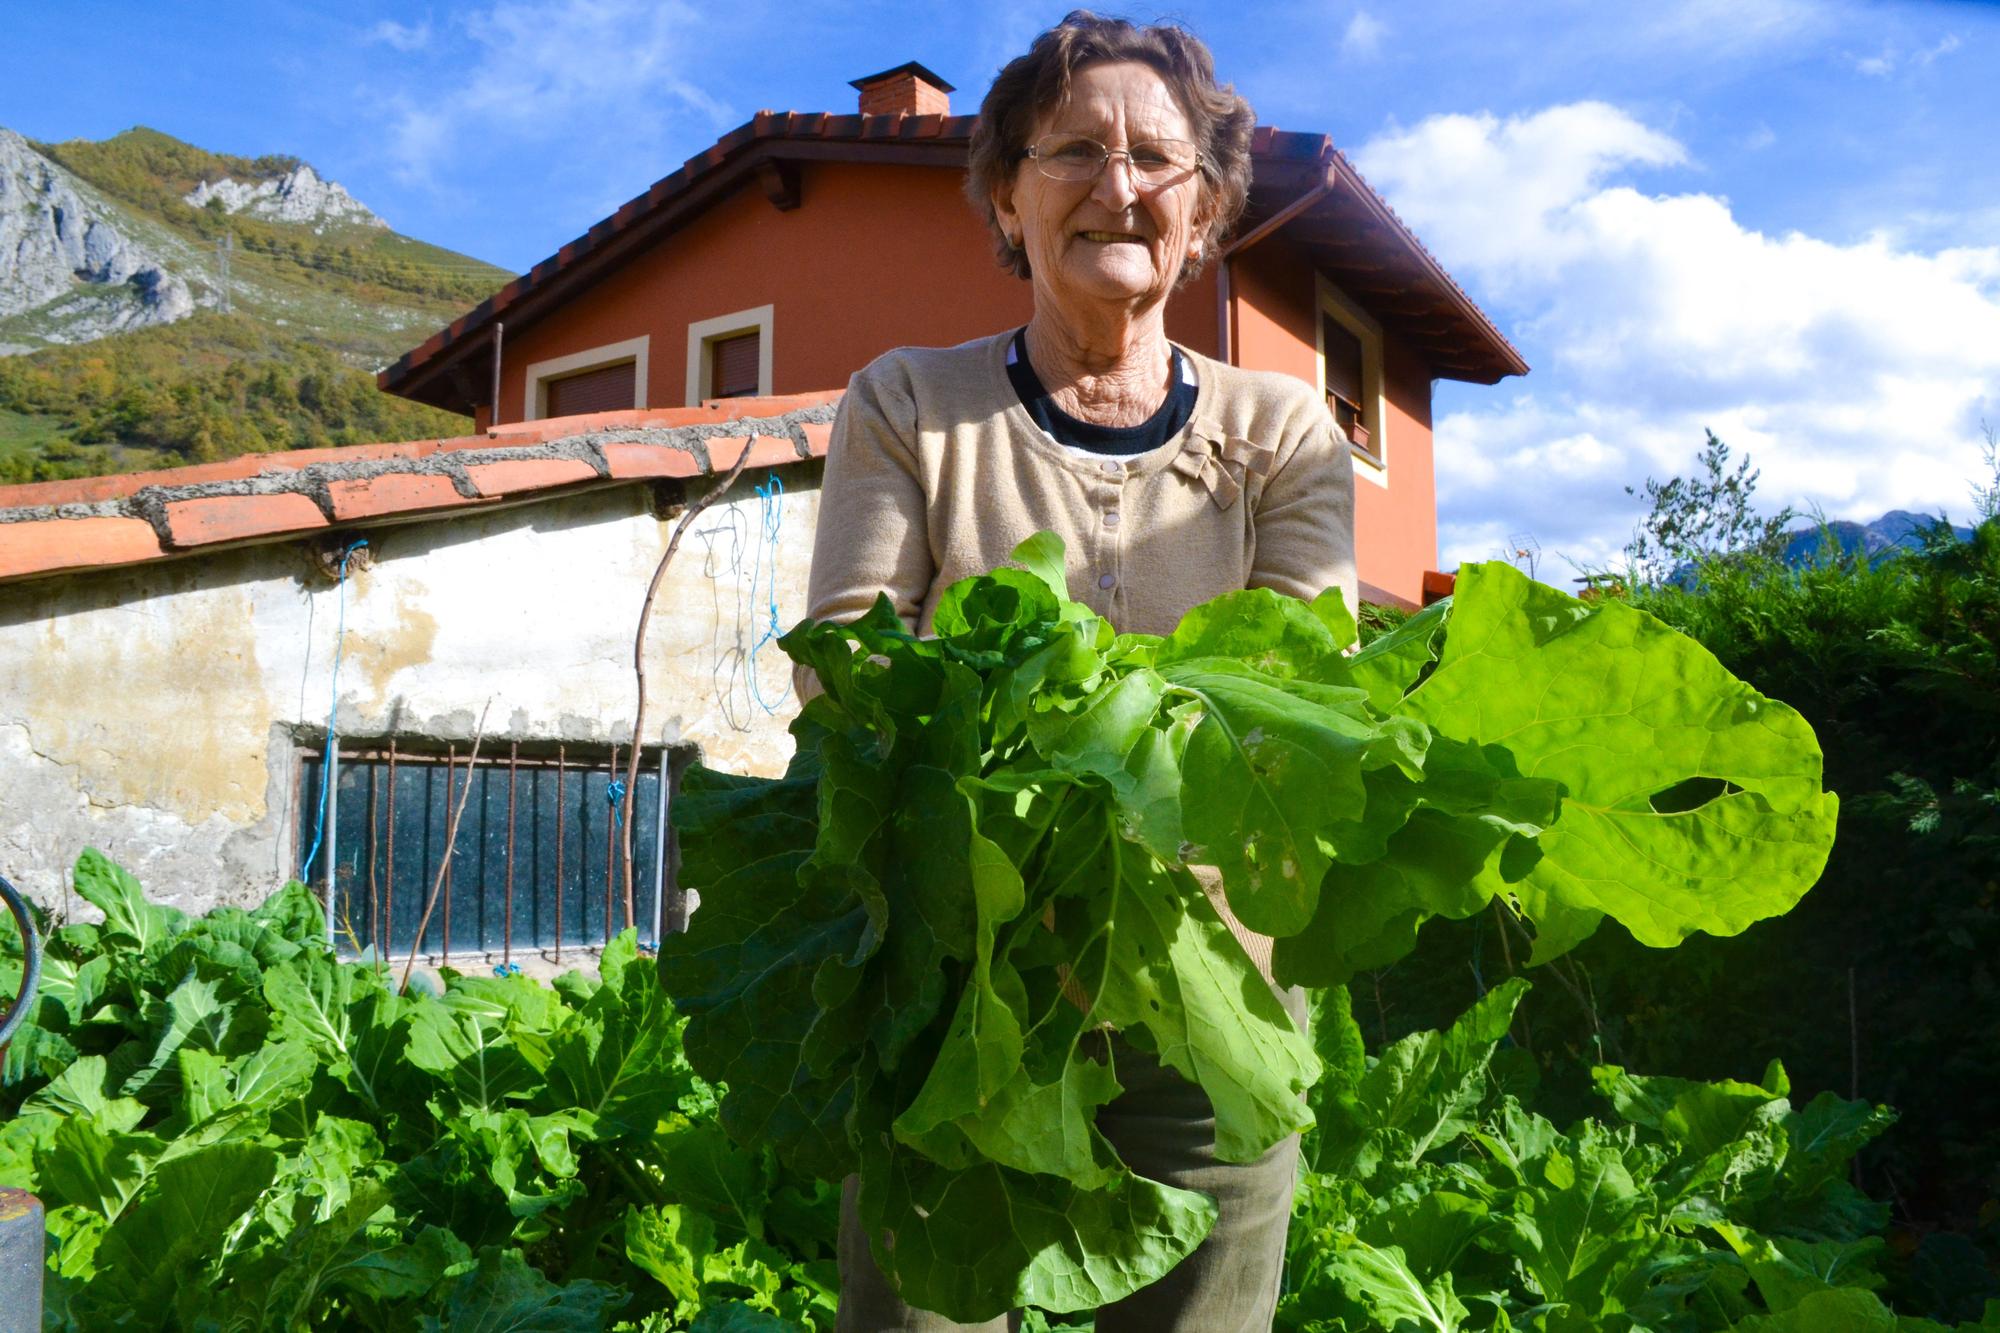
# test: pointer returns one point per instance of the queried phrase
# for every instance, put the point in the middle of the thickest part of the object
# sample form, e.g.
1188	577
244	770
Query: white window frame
704	334
535	380
1348	313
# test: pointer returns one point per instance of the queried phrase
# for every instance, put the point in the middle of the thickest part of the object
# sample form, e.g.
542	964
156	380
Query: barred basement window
538	860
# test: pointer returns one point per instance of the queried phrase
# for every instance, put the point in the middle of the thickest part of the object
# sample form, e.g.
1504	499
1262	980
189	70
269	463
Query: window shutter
1343	363
734	366
604	389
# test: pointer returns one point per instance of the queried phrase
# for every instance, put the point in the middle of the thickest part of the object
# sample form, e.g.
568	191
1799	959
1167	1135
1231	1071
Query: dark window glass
605	389
581	880
1343	362
734	365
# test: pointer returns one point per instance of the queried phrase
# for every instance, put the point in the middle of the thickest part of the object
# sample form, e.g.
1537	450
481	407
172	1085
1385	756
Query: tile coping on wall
98	522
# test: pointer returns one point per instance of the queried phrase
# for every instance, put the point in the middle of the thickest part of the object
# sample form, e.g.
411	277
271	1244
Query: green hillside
209	387
314	311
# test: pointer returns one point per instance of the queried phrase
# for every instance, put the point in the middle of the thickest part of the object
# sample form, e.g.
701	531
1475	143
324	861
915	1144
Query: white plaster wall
157	713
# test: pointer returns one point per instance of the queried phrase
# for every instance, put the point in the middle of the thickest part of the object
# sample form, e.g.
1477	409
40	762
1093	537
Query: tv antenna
1524	552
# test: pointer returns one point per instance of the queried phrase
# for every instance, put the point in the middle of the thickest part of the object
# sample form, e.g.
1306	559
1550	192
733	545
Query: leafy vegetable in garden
232	1129
1434	1198
986	851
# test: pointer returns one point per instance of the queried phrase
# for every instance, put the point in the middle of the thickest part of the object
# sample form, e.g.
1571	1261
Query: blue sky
1776	218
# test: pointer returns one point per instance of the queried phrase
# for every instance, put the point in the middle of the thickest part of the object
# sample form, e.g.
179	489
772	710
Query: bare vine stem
639	657
450	841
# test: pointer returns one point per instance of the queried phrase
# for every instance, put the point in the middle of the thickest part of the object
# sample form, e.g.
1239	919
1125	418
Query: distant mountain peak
301	196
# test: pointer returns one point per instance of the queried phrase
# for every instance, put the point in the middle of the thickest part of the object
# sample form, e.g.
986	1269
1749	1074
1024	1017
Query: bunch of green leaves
1434	1198
233	1129
986	852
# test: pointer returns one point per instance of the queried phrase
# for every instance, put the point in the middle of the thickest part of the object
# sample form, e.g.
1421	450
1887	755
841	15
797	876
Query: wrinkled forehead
1122	101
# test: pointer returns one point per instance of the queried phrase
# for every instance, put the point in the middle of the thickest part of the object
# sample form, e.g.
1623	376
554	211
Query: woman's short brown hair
1033	83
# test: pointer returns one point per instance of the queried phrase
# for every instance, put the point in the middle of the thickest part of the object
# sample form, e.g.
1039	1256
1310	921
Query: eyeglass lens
1071	157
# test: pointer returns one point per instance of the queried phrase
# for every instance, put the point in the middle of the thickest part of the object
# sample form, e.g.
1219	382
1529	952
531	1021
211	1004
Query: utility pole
223	244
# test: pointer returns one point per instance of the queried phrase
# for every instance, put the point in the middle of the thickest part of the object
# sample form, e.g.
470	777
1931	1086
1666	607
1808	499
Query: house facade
801	246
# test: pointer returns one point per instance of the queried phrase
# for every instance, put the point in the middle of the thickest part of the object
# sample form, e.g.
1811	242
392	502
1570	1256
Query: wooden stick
450	841
639	656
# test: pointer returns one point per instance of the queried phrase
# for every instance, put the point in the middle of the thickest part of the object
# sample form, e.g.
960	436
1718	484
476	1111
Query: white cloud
1854	374
1944	47
1886	61
593	75
401	36
1731	27
1877	66
1363	38
1491	193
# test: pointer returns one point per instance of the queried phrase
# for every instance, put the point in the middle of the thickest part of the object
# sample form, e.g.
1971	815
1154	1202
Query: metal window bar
530	870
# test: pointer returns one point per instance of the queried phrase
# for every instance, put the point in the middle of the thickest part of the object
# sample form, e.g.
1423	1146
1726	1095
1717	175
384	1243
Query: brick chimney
908	88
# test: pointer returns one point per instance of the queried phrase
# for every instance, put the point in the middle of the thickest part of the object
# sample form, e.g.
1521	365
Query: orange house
801	246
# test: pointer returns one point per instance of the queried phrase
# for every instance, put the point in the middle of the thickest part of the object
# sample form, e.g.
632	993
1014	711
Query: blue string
333	701
765	566
506	969
614	794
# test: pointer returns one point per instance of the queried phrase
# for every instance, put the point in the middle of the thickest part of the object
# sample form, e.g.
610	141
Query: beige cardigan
936	472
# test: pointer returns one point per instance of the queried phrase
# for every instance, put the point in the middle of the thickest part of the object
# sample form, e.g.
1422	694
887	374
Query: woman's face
1108	241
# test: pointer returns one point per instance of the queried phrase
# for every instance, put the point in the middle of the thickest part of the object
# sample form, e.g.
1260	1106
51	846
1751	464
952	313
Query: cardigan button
1111	519
1113	469
1105	581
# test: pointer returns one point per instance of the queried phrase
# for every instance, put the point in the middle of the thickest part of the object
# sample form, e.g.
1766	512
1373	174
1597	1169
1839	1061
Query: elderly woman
1109	164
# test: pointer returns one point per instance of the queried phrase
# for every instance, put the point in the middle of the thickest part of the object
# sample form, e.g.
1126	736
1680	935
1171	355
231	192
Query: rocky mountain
297	196
99	238
1897	530
161	303
67	256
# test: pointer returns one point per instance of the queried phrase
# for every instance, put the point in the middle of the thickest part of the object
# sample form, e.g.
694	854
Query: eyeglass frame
1029	154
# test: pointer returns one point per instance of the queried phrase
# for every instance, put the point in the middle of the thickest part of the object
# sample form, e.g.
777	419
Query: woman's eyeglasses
1073	157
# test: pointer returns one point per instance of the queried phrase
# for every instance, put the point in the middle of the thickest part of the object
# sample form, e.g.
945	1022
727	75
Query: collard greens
985	852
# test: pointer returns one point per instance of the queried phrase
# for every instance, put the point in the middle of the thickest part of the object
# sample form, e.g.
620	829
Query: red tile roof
61	526
1436	314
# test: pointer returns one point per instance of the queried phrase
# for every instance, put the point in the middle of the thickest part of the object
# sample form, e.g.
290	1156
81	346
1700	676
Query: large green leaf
468	1046
90	1166
743	974
130	921
612	1060
1422	1087
1266	769
974	1243
504	1295
171	1233
84	1089
670	1244
1621	710
341	1012
1175	973
1846	1310
1379	1289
